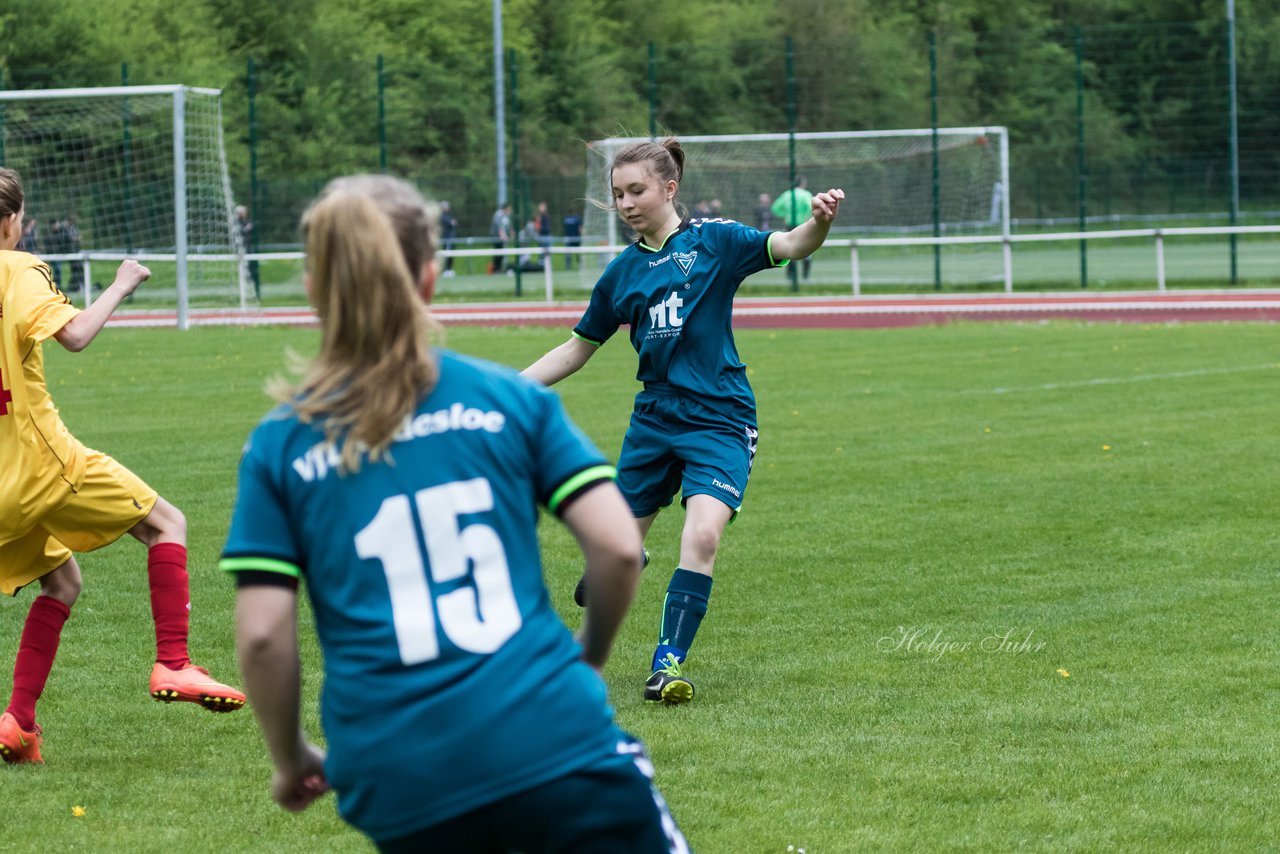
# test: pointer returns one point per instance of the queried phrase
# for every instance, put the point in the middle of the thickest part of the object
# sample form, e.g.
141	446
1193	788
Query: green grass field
994	587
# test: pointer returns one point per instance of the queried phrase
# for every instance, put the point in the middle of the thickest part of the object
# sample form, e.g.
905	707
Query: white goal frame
181	254
605	148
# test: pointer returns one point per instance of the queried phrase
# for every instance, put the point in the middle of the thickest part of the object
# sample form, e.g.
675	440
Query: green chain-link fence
1107	124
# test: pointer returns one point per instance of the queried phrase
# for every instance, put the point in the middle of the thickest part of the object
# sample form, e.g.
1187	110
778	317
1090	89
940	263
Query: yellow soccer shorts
109	502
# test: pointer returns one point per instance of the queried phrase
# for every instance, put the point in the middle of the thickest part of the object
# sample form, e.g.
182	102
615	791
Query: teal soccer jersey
450	682
678	300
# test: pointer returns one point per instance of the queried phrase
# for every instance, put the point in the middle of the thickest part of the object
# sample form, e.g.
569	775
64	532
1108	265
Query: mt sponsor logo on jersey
325	457
664	317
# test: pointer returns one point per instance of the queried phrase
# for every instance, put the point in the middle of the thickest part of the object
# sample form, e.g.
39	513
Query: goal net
897	183
136	171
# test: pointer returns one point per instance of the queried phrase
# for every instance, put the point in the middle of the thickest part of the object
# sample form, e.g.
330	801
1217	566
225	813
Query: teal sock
682	613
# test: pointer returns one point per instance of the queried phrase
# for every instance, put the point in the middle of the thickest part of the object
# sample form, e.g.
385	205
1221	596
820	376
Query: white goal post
897	182
129	171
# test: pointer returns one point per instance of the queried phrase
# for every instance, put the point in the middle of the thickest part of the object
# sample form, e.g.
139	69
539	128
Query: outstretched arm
561	361
611	543
803	240
85	326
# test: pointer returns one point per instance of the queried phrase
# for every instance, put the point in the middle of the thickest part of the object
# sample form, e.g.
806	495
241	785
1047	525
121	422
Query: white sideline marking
1202	372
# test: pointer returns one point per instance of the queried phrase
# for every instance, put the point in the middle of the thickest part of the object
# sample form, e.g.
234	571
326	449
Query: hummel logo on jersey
685	260
666	314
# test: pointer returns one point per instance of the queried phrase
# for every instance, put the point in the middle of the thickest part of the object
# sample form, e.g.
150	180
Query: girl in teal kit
400	484
693	430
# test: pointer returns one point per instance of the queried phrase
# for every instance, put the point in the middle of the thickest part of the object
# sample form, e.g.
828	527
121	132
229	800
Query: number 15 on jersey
479	618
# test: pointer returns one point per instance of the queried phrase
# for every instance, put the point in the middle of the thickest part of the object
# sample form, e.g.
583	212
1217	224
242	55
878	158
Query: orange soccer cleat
193	684
16	744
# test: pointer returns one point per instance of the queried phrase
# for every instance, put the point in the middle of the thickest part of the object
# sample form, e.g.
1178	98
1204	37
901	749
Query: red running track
831	312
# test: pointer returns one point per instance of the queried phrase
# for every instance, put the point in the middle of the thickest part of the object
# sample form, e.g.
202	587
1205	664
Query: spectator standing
448	234
572	234
500	231
764	216
30	239
542	223
245	226
792	209
56	244
71	246
530	262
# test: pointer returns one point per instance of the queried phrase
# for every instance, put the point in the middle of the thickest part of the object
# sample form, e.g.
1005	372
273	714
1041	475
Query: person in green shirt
792	208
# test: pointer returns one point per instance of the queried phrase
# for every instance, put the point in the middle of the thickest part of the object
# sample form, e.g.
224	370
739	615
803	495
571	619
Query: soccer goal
898	183
129	171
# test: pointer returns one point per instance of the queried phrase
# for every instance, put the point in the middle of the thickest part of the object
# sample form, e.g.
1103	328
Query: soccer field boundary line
816	312
1101	381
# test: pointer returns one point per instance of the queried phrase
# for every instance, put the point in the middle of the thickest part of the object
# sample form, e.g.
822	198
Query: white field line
1136	378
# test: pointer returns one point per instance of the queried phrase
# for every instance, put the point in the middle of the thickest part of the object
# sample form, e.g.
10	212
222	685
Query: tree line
408	86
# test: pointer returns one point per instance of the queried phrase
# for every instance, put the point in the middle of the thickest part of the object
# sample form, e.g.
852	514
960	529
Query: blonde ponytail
375	362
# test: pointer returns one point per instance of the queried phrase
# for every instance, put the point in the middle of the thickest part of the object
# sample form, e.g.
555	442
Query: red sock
40	636
170	602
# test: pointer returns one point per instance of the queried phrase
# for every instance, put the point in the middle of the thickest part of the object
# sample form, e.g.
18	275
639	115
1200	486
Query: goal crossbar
809	135
102	92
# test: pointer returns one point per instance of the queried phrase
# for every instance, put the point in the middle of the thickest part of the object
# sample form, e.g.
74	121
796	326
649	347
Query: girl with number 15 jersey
401	484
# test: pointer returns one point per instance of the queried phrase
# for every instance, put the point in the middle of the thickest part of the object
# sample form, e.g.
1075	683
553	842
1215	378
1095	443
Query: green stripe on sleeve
768	248
262	564
581	337
576	482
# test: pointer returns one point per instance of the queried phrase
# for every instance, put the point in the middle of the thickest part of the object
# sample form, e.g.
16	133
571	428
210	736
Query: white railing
85	260
547	256
1006	242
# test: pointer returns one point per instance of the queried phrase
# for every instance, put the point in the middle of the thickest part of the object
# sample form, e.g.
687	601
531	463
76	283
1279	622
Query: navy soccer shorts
611	807
676	443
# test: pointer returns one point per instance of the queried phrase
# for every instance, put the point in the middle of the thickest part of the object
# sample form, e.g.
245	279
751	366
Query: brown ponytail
665	160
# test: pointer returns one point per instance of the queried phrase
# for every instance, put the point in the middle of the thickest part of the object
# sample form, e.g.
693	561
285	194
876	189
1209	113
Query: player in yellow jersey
57	496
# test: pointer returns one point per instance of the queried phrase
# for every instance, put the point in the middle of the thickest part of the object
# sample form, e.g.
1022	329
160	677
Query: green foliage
1155	108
